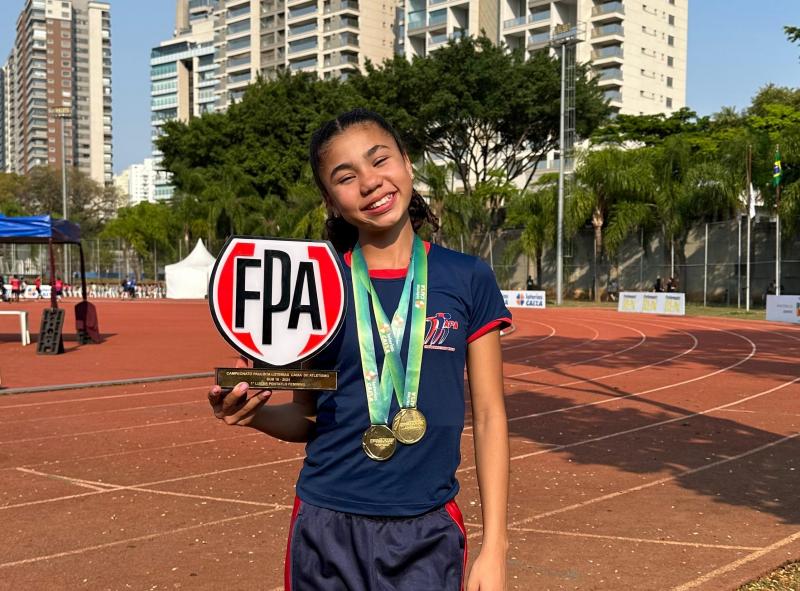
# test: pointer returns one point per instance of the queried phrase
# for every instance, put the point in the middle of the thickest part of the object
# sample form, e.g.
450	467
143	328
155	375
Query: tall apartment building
221	46
2	119
637	49
60	63
182	76
429	24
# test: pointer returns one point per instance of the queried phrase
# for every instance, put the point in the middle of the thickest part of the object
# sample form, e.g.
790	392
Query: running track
647	453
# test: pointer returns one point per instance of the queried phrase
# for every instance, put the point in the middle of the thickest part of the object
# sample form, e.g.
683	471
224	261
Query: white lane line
650	484
629	539
651	390
642	340
104	487
152	536
622	373
147	449
225	471
647	426
102	412
99	431
95	486
532	340
109	397
737	563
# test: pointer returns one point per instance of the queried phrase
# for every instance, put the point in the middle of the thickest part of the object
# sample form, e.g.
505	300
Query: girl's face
367	179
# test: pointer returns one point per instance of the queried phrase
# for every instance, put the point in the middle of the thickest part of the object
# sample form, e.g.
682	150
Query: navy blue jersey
464	303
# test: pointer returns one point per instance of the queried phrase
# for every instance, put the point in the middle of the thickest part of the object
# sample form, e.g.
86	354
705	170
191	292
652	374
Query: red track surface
647	453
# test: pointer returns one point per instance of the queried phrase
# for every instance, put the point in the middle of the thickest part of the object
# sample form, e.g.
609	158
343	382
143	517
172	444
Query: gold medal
379	442
409	425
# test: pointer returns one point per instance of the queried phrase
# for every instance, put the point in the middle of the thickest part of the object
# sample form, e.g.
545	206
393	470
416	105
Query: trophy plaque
277	302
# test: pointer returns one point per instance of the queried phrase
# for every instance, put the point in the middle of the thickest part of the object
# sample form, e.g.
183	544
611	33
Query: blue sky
735	47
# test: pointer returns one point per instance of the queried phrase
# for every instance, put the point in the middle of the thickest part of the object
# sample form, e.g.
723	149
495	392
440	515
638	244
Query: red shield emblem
278	301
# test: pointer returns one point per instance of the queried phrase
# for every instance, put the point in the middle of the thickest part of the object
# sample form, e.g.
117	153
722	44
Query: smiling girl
375	506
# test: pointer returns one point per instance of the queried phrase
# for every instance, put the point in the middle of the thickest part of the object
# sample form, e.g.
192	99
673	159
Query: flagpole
778	242
749	220
777	174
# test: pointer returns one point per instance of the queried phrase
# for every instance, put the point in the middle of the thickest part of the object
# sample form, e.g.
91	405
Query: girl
375	505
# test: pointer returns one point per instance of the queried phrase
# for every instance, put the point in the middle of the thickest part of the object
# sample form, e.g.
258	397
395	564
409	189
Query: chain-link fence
105	260
712	269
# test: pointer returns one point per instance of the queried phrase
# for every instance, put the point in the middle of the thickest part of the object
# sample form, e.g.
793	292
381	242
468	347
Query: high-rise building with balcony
222	46
2	119
637	50
428	24
58	74
182	76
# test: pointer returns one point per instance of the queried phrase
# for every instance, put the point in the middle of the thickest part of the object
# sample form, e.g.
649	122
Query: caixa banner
277	301
524	299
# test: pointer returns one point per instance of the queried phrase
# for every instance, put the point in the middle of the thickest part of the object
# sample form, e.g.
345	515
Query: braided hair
342	234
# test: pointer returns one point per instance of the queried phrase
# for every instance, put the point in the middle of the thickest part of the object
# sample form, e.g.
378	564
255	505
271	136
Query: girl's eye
345	179
381	160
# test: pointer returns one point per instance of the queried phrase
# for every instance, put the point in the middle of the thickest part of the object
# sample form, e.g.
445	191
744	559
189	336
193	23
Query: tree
11	190
610	181
535	212
148	228
263	139
479	106
89	204
792	33
650	130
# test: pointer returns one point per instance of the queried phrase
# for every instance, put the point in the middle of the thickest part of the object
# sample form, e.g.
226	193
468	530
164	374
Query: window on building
671	19
669	81
669	103
670	61
671	41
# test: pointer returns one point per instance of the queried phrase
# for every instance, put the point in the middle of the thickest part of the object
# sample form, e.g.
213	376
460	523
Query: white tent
188	279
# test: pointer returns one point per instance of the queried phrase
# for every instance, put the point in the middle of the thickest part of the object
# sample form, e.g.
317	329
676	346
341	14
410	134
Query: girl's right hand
234	407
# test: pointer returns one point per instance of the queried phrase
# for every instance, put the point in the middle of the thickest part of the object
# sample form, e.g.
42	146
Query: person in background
38	283
59	288
16	285
612	290
659	285
529	284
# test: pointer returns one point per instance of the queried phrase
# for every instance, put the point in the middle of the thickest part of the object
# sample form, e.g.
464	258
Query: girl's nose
370	183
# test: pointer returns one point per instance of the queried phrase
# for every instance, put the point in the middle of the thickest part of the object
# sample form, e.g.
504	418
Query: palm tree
535	212
605	179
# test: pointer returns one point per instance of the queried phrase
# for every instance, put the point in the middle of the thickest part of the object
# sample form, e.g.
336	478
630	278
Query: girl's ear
332	210
409	167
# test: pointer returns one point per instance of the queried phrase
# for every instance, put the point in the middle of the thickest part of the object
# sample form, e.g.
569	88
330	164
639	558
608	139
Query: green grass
691	309
786	578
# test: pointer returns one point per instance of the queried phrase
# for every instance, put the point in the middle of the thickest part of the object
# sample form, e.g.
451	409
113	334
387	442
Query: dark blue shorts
333	551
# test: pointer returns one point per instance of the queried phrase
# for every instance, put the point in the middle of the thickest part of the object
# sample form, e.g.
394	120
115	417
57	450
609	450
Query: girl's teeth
380	202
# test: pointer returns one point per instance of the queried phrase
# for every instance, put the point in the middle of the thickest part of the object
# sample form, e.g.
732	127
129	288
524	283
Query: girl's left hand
488	572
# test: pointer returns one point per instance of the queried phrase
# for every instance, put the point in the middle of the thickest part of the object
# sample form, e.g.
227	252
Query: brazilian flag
777	171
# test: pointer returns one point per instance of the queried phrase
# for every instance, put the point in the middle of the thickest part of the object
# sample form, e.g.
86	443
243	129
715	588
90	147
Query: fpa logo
277	301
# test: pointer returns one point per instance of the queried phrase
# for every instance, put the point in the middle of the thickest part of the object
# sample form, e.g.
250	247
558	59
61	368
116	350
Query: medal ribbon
404	382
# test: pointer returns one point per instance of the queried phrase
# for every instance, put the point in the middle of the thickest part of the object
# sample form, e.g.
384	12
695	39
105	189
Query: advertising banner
672	303
783	308
524	299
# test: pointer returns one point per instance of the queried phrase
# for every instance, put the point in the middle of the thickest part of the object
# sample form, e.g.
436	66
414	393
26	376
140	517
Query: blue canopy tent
43	229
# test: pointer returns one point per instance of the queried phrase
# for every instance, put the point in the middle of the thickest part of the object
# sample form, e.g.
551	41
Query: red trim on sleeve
489	326
455	515
384	273
287	565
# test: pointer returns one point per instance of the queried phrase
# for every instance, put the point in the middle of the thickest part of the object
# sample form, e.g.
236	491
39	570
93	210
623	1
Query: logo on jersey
277	301
437	329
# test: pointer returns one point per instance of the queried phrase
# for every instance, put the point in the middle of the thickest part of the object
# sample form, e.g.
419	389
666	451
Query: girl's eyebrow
374	149
367	154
